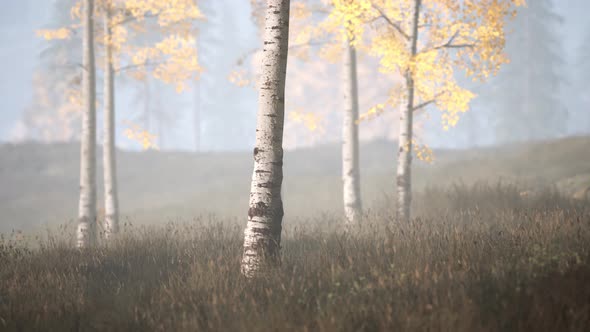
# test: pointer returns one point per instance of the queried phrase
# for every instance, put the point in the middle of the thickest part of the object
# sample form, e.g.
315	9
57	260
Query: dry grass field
498	244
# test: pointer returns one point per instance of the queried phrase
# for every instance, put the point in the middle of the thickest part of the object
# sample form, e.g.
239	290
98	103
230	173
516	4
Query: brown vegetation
480	258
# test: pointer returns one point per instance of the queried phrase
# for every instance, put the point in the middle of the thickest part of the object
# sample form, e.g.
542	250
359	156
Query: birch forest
295	165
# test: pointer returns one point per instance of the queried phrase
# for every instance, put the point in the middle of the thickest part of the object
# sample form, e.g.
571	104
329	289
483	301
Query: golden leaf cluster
239	78
423	153
372	113
454	36
172	58
48	34
311	121
136	133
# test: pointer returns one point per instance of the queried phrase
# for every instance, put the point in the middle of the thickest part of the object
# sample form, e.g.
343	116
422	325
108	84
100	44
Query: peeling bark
262	236
86	233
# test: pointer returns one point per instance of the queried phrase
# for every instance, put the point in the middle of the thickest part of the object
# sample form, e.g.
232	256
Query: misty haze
288	165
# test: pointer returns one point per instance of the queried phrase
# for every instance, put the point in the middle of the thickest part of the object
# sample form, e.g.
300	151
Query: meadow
481	255
489	264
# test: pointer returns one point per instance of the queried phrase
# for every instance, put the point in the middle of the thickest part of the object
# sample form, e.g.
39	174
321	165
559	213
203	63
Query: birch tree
262	237
312	27
166	53
86	233
350	138
174	61
340	27
111	193
426	43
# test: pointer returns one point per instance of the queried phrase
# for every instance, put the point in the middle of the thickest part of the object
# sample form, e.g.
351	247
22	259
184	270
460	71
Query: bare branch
132	18
393	24
68	65
142	65
422	105
426	103
449	43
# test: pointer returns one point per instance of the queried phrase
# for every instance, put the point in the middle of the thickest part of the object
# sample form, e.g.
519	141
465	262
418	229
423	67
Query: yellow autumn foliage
454	36
239	78
172	59
61	33
137	134
310	120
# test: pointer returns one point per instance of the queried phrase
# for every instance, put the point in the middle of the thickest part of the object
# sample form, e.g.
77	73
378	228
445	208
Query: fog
406	196
228	111
501	129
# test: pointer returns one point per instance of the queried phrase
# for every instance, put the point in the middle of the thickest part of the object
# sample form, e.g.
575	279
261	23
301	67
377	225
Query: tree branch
68	65
449	43
132	18
143	65
393	24
422	105
426	103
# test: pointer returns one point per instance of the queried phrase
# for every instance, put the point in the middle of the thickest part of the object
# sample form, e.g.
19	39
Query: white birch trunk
404	161
350	140
111	197
86	233
262	237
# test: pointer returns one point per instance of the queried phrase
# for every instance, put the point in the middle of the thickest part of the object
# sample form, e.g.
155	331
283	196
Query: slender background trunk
350	139
86	233
404	161
262	237
147	112
111	197
197	116
526	97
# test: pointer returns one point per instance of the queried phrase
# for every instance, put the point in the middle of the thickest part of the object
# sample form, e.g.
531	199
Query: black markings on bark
258	210
402	180
268	184
264	231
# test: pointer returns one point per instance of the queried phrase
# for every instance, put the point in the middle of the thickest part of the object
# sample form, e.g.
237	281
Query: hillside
40	186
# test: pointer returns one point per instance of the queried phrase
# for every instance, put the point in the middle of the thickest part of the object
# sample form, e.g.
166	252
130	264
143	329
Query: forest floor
481	258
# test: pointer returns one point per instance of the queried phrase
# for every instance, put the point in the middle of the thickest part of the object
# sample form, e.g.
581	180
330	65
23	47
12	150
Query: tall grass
477	258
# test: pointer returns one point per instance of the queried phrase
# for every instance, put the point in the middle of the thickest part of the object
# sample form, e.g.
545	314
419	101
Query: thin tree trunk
404	161
529	132
147	116
350	140
111	195
197	117
159	114
86	233
262	237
